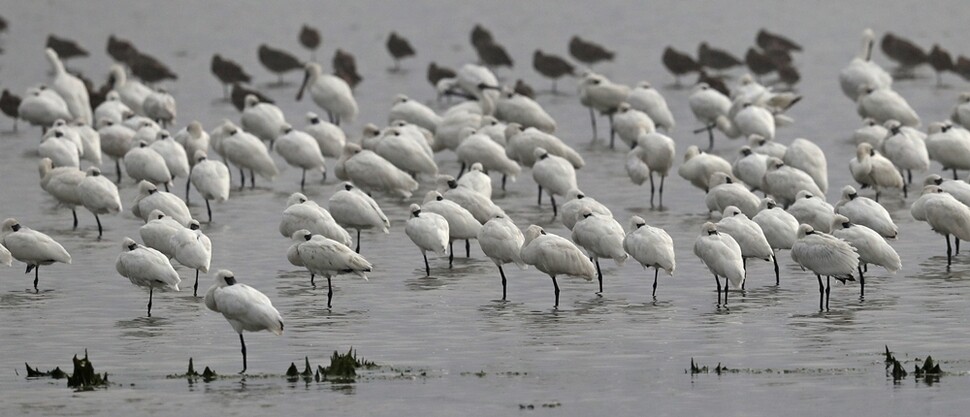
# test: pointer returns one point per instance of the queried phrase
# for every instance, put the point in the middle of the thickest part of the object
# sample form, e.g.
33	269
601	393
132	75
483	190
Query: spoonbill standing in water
555	255
429	231
31	247
146	267
722	256
244	307
824	254
651	247
330	92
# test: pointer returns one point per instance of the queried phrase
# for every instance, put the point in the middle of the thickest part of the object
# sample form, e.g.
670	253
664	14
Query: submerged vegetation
84	378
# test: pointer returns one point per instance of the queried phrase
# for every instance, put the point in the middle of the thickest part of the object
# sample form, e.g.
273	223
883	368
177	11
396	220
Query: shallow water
622	352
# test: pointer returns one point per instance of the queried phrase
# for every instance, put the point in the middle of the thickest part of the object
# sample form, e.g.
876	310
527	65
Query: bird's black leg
821	293
357	249
954	174
862	284
503	182
37	278
502	273
427	269
187	184
718	282
828	291
744	264
312	276
468	249
151	292
252	180
303	180
592	119
599	274
98	220
556	286
451	253
539	202
166	186
777	278
195	288
612	130
662	177
329	291
461	171
74	213
555	211
956	249
710	137
651	189
118	169
243	343
208	210
242	179
949	252
656	272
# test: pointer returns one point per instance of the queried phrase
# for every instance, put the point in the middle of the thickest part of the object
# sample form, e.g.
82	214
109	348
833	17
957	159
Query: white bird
698	167
70	88
264	120
158	231
193	250
576	201
146	267
481	207
146	130
31	247
142	163
512	107
244	307
352	209
160	107
630	123
601	237
784	182
5	257
405	153
884	104
131	92
330	92
866	212
722	256
521	145
111	109
477	180
750	167
478	148
150	198
245	151
949	145
68	132
960	190
176	159
413	111
447	133
945	215
553	173
303	213
870	246
871	169
300	150
871	132
748	234
807	156
767	147
754	120
710	107
600	94
99	195
648	100
813	210
555	255
651	247
780	229
371	172
501	242
906	148
327	257
90	140
62	184
429	231
654	152
116	141
328	135
59	149
863	71
824	254
210	178
42	106
461	223
725	192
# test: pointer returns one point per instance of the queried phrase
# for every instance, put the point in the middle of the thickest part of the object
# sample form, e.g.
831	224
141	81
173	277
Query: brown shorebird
436	73
149	69
65	48
239	93
493	55
552	66
399	48
278	61
714	81
9	104
120	49
481	36
716	59
789	75
587	52
679	63
228	72
310	39
941	61
345	66
962	67
768	41
906	53
758	63
521	88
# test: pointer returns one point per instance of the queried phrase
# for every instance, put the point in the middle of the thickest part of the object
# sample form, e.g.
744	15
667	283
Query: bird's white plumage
870	246
372	173
808	157
650	246
158	232
824	254
555	255
264	120
648	100
146	267
571	210
151	198
30	246
244	307
720	253
698	167
429	231
866	212
303	213
210	178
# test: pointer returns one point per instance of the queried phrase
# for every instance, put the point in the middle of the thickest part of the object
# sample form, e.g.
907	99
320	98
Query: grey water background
622	353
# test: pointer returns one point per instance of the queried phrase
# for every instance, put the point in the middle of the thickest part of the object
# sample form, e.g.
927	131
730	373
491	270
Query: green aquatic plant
56	373
697	369
929	368
207	375
293	374
343	368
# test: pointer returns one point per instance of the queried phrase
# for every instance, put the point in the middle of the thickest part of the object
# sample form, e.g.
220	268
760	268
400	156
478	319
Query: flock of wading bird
499	129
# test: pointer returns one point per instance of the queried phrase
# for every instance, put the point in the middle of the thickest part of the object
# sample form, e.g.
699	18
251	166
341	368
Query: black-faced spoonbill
31	247
244	307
